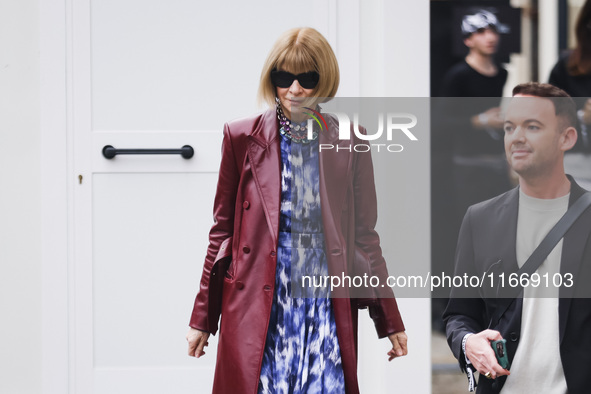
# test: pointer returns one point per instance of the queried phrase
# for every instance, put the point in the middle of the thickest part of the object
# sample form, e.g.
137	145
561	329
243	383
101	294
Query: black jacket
486	244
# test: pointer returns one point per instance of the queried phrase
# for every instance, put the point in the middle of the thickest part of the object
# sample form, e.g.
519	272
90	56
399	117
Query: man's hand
481	354
399	348
490	118
197	341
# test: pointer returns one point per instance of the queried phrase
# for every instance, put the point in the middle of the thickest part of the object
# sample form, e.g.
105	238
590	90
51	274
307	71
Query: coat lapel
335	172
573	246
335	167
265	160
506	216
502	244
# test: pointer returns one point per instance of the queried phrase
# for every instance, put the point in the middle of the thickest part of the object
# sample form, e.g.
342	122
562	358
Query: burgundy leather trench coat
245	231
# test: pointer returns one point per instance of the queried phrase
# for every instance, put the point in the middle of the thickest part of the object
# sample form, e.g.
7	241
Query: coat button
245	205
273	254
246	249
267	288
239	285
513	336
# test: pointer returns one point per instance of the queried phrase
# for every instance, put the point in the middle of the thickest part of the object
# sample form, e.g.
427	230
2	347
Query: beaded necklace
298	132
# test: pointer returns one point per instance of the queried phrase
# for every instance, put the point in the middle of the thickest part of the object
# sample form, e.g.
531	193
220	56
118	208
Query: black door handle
186	151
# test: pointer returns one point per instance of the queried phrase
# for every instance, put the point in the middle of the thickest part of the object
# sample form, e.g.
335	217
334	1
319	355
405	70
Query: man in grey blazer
547	326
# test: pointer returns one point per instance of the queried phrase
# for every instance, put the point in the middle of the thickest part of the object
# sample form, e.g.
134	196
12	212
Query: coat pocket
218	273
223	258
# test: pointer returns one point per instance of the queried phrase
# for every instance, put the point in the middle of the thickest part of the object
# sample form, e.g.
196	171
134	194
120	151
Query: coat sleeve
206	310
465	312
385	313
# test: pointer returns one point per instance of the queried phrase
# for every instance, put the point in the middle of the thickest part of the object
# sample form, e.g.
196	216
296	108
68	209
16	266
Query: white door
125	238
153	75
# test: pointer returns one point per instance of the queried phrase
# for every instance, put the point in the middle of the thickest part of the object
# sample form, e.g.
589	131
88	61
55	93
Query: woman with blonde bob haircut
273	223
299	50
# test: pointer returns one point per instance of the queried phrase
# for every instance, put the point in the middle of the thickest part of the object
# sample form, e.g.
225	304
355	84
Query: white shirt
537	366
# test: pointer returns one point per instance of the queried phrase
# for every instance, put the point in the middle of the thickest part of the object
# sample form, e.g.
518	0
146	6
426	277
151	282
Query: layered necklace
297	132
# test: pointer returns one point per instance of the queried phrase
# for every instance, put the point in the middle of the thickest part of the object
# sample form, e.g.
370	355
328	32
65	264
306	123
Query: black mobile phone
500	349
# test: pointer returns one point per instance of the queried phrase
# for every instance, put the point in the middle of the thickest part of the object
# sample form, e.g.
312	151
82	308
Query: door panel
144	279
149	235
182	65
152	380
153	74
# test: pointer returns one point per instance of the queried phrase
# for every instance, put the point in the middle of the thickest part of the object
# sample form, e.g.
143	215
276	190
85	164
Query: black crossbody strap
544	249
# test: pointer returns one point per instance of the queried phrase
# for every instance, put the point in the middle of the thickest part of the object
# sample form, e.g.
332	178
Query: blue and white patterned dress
302	352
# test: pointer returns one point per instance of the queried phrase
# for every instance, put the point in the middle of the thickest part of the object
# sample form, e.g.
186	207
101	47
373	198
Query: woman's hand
197	341
399	348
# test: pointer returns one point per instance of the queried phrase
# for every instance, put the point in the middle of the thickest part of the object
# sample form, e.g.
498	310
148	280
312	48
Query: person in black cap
478	75
474	127
468	163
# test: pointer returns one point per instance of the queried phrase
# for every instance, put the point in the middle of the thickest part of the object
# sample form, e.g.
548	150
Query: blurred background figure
479	165
572	73
478	73
472	43
468	162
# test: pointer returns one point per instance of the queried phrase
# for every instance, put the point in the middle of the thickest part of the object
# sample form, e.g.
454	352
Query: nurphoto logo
395	122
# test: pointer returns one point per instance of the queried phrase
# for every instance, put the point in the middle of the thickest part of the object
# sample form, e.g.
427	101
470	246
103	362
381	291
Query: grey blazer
486	244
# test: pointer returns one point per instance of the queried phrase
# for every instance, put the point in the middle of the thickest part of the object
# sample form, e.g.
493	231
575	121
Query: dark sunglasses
283	79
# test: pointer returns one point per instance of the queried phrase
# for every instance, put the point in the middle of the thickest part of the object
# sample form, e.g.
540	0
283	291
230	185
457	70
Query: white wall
20	198
394	50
